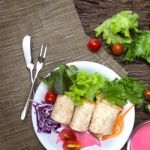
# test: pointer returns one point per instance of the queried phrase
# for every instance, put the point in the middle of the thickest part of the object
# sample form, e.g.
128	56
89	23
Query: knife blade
26	43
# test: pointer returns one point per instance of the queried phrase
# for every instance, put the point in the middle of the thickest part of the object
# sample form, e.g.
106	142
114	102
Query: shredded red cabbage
44	122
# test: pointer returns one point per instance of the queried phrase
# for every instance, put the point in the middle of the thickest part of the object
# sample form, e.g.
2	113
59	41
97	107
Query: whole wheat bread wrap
63	109
82	116
103	117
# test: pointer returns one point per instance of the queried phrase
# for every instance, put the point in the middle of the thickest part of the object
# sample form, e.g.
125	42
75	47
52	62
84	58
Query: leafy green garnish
61	79
117	28
85	86
79	85
140	47
119	91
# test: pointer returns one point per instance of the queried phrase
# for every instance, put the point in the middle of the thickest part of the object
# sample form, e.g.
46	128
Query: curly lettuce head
117	28
139	48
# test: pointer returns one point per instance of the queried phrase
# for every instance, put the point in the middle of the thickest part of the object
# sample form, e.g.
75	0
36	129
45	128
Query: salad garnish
117	49
117	29
82	85
119	91
44	122
122	28
140	47
50	97
86	86
69	139
76	140
118	125
61	79
94	45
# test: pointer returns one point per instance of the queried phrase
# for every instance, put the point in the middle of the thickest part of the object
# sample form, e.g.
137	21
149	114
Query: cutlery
26	43
39	66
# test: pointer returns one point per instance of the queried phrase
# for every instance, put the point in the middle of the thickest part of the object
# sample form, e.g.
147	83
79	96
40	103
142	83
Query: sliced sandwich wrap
63	109
104	117
82	116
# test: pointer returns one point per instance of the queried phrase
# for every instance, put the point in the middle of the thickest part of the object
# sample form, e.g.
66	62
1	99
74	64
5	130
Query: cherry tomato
147	94
71	145
67	135
94	45
50	97
117	49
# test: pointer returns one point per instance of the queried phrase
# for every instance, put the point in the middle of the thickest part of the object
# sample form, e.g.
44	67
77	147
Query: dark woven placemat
52	21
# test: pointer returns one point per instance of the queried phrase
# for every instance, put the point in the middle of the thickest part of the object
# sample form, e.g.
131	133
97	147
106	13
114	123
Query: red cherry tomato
147	94
71	145
117	49
50	97
94	45
67	135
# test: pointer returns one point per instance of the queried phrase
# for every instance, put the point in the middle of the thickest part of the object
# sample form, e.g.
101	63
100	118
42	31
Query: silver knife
26	43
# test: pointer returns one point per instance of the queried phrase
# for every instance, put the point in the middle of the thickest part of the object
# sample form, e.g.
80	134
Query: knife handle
27	49
25	109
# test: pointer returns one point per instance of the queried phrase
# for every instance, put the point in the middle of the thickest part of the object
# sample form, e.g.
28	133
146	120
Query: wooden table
18	18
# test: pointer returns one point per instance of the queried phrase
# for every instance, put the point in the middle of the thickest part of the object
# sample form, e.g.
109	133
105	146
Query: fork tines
42	53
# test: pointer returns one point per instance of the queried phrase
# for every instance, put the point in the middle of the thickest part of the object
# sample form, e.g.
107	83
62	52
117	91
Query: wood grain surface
54	22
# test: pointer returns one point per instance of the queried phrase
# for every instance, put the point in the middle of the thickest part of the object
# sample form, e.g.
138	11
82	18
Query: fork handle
23	114
32	79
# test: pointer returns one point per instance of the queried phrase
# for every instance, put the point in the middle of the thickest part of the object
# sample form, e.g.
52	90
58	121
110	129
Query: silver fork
39	66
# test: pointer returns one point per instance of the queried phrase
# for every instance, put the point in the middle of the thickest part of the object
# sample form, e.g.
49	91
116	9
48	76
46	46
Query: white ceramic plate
49	140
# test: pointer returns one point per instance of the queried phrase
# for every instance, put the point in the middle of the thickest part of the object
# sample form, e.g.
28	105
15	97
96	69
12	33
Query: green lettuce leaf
85	86
117	28
119	91
139	48
61	79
